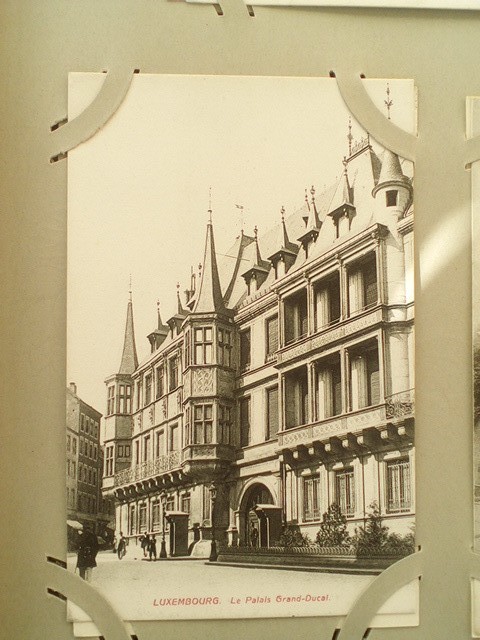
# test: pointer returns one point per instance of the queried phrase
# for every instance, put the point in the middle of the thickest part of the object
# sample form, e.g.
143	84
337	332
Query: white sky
138	191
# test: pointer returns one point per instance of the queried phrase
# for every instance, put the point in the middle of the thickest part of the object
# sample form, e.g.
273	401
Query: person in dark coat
254	535
121	546
152	548
144	543
87	553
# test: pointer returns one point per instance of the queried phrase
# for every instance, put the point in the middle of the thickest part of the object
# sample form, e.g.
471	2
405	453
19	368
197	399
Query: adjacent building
284	382
85	503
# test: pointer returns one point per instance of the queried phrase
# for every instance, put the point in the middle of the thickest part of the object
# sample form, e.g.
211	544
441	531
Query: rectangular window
296	316
225	424
137	452
311	498
224	347
109	462
121	398
68	443
296	398
160	381
271	330
68	468
244	422
245	350
173	373
127	451
120	450
132	525
139	394
203	345
398	486
146	449
329	388
391	198
142	518
202	423
362	285
148	389
170	503
185	503
87	425
74	469
186	348
272	413
124	402
174	438
110	401
155	516
160	444
345	491
74	445
82	417
207	503
364	378
327	301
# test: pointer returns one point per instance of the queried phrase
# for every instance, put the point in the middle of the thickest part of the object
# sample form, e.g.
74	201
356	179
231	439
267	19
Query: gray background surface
41	43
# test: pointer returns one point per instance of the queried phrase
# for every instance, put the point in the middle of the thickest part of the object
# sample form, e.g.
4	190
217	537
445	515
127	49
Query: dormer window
391	198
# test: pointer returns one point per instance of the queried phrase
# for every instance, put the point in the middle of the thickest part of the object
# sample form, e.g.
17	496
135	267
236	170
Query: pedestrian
87	553
144	541
254	535
114	543
121	546
152	548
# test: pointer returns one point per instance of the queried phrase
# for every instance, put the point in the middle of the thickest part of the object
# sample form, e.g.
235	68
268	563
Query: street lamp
163	548
213	551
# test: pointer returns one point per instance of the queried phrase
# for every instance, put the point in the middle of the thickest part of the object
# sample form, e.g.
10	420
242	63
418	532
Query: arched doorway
254	529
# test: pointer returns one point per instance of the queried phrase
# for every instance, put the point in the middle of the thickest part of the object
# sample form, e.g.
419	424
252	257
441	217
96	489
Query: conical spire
313	221
391	169
283	244
129	356
343	193
209	298
313	224
391	173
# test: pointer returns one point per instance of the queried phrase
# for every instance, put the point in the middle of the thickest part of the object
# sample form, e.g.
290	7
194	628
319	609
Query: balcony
207	462
333	332
149	469
362	429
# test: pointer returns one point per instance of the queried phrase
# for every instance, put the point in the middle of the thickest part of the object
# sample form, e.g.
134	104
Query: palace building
284	382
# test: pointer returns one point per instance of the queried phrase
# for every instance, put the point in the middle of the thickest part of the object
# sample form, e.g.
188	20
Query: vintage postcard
240	400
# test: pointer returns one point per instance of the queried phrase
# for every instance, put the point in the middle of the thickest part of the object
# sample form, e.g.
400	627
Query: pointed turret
312	227
341	208
256	275
129	356
285	251
209	298
160	333
395	186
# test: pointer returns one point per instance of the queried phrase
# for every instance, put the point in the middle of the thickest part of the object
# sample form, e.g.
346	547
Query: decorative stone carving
202	382
151	415
164	408
331	335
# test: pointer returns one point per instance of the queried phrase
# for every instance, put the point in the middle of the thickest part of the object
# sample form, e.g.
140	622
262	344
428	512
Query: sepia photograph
240	393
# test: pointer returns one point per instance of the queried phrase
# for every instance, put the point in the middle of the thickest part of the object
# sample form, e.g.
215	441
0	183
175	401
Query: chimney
73	388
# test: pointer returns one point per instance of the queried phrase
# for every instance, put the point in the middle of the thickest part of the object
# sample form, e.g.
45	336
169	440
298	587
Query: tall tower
209	379
118	417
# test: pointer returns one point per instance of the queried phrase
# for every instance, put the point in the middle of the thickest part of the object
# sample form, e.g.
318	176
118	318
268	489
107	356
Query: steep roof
129	356
209	297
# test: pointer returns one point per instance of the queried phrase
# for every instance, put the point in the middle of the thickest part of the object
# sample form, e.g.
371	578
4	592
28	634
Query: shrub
333	530
372	535
291	536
